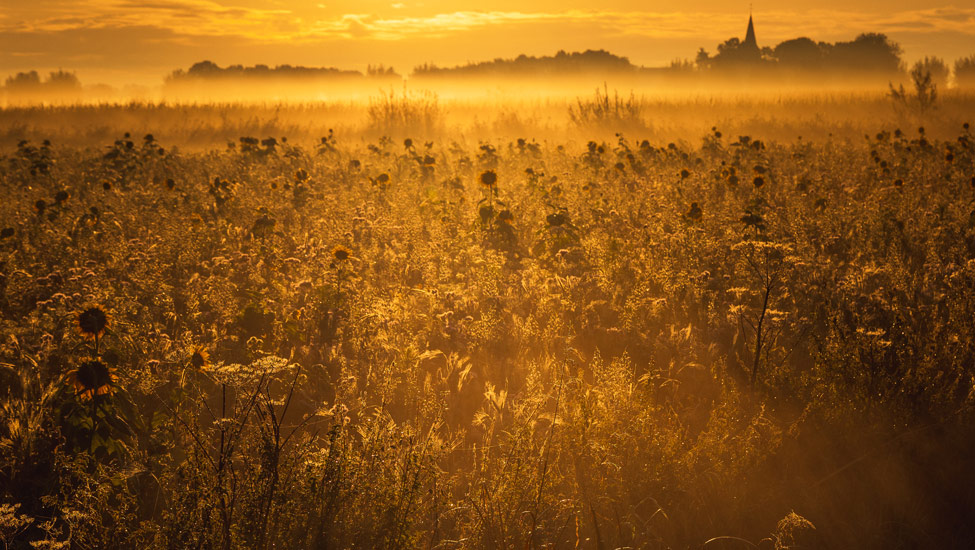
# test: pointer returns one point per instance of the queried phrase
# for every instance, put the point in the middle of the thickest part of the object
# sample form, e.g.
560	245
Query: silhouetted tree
965	72
204	68
63	81
800	53
208	70
561	62
735	53
23	82
936	67
703	59
869	52
925	90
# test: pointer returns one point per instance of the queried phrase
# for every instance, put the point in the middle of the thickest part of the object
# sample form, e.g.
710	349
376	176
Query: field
420	323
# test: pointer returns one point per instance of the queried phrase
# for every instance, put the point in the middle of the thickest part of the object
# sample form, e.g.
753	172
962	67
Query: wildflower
684	174
40	206
61	196
92	322
758	181
341	253
200	358
92	378
301	175
489	178
695	213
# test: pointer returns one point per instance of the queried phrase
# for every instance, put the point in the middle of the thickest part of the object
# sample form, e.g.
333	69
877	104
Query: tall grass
405	114
605	111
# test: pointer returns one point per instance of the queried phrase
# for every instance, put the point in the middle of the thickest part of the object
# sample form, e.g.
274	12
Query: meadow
411	322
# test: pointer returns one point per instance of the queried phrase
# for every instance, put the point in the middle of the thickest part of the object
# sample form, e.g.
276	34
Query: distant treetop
210	70
561	62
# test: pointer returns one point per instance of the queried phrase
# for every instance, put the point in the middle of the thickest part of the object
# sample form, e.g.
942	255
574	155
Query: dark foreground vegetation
393	344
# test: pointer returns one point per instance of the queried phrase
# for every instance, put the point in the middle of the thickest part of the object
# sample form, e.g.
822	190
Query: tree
729	45
965	72
870	52
703	59
204	68
799	53
925	90
22	82
63	81
934	66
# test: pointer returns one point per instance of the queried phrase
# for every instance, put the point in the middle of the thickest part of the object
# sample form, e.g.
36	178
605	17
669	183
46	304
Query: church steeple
750	41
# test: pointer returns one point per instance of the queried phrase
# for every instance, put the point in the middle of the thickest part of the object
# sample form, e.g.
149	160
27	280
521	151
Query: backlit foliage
404	344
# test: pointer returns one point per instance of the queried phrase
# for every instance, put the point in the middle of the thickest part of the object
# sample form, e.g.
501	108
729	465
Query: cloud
208	18
192	17
672	25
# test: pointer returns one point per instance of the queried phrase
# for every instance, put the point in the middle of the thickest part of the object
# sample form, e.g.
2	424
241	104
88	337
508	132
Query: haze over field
544	276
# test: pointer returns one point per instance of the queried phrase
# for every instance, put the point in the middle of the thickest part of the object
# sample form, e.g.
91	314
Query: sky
140	41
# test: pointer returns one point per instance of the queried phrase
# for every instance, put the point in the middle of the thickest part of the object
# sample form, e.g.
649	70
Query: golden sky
139	41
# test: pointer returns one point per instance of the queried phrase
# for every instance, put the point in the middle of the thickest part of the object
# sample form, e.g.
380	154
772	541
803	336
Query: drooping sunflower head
200	358
341	253
92	378
92	322
489	178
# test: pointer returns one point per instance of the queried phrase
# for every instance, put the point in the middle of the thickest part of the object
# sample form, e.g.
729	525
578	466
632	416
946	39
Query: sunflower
200	358
92	378
489	178
341	253
92	322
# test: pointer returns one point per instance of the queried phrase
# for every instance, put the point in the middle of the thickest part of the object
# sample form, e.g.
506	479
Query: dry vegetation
450	342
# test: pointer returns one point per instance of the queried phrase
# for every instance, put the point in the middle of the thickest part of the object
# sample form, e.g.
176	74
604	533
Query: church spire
750	35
